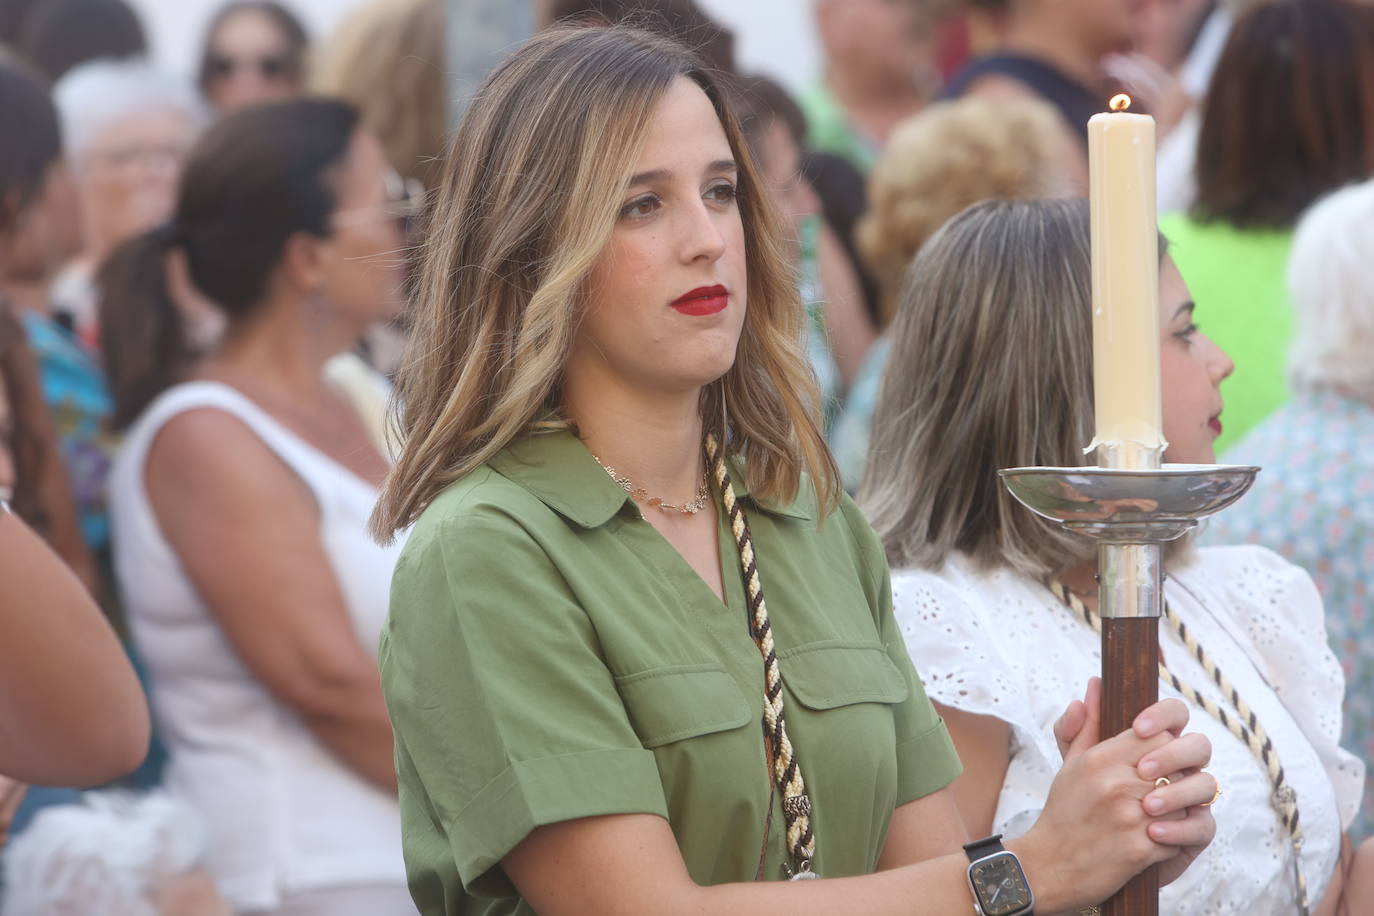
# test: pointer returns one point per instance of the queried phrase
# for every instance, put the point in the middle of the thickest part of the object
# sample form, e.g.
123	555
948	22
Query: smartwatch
998	882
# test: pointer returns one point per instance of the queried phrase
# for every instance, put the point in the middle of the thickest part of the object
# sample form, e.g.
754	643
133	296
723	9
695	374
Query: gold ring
1093	910
1214	798
1162	781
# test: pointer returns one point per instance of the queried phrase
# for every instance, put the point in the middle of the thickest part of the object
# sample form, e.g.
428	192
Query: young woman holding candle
998	606
606	382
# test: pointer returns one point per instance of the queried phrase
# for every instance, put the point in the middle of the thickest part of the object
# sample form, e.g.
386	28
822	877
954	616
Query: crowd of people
541	405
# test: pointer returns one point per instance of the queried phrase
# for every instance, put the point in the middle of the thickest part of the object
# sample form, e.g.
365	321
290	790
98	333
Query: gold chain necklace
641	495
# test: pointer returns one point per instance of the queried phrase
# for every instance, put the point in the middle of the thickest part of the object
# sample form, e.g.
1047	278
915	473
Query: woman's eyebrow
653	175
1188	306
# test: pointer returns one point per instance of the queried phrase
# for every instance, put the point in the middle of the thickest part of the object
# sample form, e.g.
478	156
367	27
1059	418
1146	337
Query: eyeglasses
269	66
405	200
130	156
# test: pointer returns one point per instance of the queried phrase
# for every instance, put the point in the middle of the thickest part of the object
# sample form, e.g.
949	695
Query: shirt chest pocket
835	673
684	701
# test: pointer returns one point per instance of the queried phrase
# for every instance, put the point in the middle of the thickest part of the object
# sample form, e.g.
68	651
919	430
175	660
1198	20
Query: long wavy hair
529	198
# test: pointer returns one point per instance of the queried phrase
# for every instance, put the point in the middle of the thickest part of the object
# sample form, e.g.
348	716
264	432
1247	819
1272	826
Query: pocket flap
825	675
686	701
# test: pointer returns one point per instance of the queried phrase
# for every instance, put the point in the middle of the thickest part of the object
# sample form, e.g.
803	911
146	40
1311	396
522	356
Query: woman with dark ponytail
240	504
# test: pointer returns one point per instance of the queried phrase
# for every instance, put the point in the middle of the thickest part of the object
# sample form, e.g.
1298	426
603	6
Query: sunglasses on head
269	66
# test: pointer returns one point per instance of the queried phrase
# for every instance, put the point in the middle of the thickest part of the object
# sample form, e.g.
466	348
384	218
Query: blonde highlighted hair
950	156
528	201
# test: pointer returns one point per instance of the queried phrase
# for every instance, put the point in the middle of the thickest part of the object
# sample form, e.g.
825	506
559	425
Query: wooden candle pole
1125	262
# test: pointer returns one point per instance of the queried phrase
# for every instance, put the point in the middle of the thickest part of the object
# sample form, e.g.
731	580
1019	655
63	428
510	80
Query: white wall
773	37
176	28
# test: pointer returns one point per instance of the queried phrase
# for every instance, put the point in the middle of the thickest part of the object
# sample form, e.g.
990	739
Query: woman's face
1191	372
1102	25
48	231
362	260
666	299
129	175
250	61
780	163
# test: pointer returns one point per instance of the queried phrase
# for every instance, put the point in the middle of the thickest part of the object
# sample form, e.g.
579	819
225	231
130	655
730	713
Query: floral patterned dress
75	391
1314	504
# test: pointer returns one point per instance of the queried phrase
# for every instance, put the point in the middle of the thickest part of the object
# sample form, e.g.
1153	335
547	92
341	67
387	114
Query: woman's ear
303	262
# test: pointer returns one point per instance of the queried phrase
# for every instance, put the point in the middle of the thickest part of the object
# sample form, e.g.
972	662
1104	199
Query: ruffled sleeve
1279	611
978	643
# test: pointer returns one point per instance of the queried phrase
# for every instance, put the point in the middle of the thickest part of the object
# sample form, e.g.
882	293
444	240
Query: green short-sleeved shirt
550	656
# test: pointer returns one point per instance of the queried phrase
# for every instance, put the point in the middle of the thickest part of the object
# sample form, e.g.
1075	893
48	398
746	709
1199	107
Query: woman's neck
280	352
28	295
653	439
1045	41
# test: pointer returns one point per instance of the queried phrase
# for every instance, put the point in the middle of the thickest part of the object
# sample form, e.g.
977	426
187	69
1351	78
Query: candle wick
1120	102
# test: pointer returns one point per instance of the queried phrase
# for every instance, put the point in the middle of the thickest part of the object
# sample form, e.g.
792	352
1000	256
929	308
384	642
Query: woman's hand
1096	831
1182	821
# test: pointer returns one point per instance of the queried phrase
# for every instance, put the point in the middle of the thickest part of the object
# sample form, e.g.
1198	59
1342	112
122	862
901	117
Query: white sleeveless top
996	643
283	814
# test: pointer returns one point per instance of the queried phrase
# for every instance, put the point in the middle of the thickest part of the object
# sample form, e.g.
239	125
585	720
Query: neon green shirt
1237	280
550	656
829	130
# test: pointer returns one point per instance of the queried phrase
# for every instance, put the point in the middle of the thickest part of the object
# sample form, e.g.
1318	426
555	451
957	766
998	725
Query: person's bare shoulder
210	458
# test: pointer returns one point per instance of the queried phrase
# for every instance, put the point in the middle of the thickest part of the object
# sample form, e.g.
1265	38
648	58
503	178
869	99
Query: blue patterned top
1314	504
849	434
79	401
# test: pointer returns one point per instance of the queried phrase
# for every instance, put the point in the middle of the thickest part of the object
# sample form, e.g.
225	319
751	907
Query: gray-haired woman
1312	503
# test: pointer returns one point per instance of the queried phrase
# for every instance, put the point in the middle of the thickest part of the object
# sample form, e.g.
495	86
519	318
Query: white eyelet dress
997	643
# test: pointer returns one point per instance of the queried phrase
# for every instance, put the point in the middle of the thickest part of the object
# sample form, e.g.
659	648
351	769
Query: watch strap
981	849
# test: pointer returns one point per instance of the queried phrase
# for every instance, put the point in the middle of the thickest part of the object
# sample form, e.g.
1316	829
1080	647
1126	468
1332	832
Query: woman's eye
721	193
1188	332
640	206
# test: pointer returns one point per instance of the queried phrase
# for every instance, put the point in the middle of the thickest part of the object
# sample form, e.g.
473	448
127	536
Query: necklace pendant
803	872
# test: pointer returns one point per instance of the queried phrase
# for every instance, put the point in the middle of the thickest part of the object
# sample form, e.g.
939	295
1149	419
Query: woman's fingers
1181	755
1166	715
1068	726
1182	793
1191	833
1079	728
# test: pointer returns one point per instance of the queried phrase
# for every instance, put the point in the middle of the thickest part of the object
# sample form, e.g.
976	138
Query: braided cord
1245	725
796	804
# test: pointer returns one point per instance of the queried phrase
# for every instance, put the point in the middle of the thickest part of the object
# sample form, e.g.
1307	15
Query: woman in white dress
240	501
991	368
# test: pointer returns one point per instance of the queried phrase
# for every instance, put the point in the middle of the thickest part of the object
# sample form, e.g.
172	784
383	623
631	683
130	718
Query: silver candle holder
1131	513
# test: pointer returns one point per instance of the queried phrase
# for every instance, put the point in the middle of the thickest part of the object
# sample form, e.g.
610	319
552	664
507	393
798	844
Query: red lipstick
704	300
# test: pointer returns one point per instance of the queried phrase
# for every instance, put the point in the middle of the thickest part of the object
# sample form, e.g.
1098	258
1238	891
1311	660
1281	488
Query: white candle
1125	259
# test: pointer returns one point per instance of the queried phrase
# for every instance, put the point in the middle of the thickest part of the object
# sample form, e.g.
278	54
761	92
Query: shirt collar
559	470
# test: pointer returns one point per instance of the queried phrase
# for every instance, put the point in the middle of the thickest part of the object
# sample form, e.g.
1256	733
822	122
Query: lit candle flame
1120	102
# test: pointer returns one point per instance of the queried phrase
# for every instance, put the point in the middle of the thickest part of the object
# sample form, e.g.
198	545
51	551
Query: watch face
1000	885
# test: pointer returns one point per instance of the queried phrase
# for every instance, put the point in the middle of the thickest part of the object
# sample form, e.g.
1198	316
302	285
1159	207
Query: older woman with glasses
127	129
